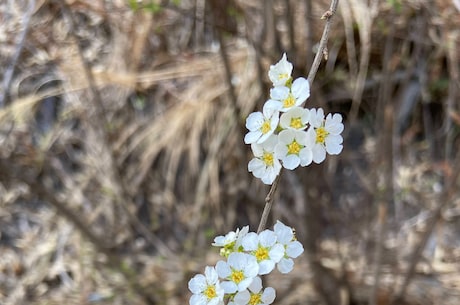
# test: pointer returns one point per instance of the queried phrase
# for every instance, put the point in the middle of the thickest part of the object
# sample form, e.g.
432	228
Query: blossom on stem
239	270
255	295
292	96
280	73
264	248
296	118
293	148
265	165
292	248
261	125
206	288
231	242
325	134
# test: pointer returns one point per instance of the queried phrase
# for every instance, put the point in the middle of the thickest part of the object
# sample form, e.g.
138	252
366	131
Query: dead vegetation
121	151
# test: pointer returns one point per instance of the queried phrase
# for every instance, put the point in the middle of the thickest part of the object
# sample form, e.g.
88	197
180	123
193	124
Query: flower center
210	292
321	134
283	76
289	101
237	276
261	254
296	123
294	148
266	126
255	299
268	159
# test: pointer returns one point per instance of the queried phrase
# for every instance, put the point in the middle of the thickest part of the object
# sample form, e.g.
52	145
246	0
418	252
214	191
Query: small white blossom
265	165
293	248
206	288
296	118
280	73
293	148
238	271
292	96
264	248
325	134
231	241
261	125
255	295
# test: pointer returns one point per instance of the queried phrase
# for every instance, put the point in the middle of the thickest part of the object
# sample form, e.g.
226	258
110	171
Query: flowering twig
328	15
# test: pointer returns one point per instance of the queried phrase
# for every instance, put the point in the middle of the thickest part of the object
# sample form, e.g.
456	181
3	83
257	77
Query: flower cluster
248	256
285	134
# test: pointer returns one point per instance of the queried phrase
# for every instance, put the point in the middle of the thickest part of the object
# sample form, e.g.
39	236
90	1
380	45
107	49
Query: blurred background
122	153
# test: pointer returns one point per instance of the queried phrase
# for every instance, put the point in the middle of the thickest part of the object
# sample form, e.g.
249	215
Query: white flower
291	96
265	166
264	248
296	118
261	125
206	288
280	73
325	134
239	271
293	148
293	248
231	242
255	295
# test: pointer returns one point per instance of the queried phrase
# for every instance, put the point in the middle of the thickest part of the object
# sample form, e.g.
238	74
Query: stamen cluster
285	134
249	255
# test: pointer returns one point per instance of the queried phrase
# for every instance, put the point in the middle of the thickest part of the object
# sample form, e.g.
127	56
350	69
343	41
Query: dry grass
121	151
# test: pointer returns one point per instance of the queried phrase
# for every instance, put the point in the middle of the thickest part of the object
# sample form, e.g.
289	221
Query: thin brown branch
328	15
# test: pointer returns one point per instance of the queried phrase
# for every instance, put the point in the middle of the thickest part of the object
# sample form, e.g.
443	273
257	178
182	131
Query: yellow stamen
261	254
289	101
321	135
237	276
296	123
268	159
266	126
210	292
255	299
294	148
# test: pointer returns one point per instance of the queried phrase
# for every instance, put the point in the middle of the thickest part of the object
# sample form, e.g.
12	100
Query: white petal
256	285
229	287
284	233
334	144
252	267
257	167
197	284
294	249
279	93
277	252
254	121
266	266
306	156
252	137
211	275
291	162
268	296
267	238
198	299
271	107
301	90
319	153
285	265
245	283
223	269
257	149
250	241
270	143
242	297
286	136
